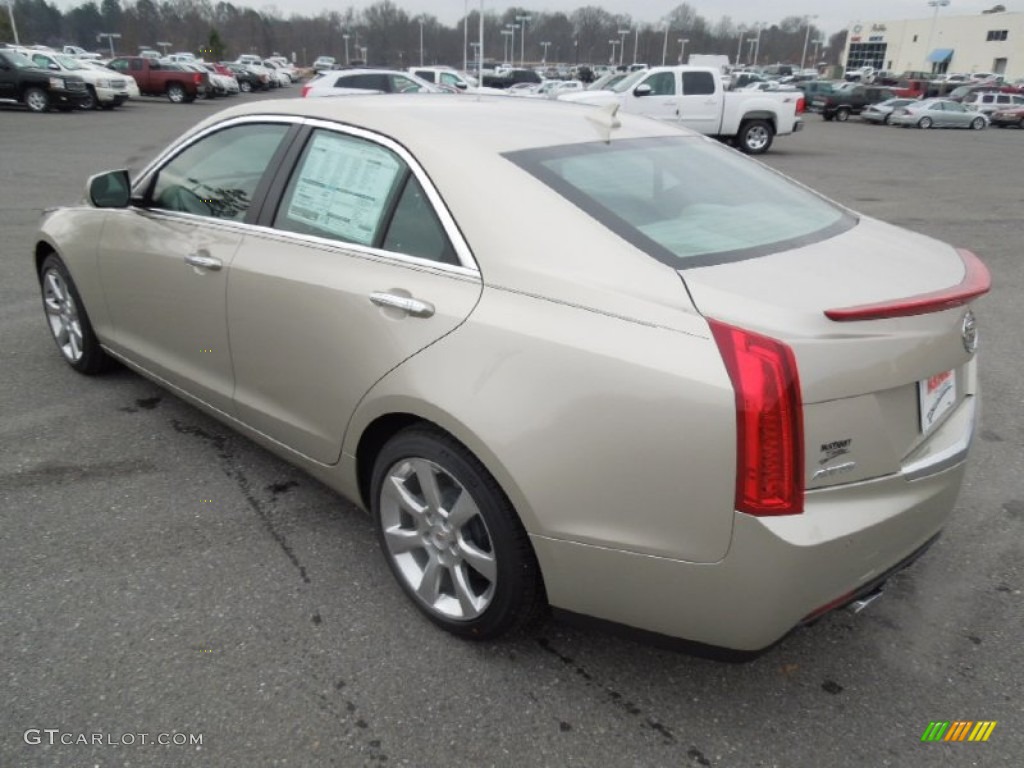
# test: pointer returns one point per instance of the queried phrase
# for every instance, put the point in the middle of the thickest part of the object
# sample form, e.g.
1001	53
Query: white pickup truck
696	98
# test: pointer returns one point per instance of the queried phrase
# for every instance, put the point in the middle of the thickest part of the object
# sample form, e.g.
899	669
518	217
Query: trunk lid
874	391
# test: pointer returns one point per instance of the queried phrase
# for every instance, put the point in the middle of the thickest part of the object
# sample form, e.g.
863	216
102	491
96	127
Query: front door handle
412	306
204	262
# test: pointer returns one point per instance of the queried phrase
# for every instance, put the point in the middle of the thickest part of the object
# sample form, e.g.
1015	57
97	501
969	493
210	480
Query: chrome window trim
364	251
468	266
462	249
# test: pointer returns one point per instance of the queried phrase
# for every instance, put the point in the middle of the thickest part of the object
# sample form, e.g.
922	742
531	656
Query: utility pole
682	46
345	37
522	39
664	45
636	42
807	39
545	46
111	36
622	43
14	27
465	37
421	40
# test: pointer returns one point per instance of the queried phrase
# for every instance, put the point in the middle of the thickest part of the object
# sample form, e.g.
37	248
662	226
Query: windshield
19	60
68	62
684	200
629	81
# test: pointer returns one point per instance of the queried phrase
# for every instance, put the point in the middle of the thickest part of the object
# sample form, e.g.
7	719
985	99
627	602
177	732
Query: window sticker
343	187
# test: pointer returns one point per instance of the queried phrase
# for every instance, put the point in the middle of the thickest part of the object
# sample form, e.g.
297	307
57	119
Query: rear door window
698	83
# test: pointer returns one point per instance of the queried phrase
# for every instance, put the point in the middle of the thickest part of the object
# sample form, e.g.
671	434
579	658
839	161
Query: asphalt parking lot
162	576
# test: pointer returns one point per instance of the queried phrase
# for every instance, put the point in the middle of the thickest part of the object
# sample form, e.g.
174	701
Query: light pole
757	47
522	39
739	47
817	44
14	27
345	38
936	4
111	36
682	46
512	46
807	39
505	34
421	41
636	42
613	43
545	45
750	47
622	43
164	45
465	37
664	45
366	55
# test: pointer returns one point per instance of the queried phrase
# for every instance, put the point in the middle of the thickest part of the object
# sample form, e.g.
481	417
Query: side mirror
112	189
642	90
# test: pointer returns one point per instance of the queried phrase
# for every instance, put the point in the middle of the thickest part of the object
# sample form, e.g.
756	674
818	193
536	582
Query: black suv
22	82
840	104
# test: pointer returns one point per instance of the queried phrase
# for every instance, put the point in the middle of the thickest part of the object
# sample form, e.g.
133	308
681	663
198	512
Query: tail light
306	89
801	105
197	78
769	421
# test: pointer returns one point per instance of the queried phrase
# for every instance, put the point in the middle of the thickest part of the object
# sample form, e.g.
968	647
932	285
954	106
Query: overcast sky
832	16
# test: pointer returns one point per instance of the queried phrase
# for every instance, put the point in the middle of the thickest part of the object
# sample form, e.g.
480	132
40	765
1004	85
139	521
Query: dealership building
987	42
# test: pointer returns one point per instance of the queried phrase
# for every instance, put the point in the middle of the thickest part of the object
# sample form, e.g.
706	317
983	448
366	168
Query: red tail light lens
801	105
305	90
769	421
197	78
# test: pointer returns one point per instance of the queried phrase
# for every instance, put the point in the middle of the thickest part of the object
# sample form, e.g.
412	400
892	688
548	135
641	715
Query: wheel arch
762	114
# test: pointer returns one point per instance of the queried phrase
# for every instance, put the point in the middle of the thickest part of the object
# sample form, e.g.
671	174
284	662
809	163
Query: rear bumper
777	574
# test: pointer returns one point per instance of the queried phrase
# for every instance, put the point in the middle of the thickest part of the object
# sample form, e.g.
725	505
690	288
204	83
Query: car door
164	262
700	104
956	115
358	267
656	96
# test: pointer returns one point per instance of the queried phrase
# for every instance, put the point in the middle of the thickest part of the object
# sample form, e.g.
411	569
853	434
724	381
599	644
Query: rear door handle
412	306
204	262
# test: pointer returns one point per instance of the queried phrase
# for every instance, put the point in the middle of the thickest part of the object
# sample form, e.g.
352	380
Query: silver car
882	112
937	113
692	397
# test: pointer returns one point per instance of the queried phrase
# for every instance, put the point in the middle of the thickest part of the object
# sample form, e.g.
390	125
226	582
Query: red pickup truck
158	79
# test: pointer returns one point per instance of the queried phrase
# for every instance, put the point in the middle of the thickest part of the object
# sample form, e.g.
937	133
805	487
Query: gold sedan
564	358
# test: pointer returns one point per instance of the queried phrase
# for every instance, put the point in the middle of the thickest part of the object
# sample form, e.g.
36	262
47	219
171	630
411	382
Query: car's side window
369	82
662	84
698	83
218	175
402	84
415	229
341	189
353	190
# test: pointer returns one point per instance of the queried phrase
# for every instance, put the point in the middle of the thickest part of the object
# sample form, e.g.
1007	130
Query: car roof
489	124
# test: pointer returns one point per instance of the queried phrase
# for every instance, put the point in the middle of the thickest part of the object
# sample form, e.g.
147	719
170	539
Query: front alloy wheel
451	537
69	324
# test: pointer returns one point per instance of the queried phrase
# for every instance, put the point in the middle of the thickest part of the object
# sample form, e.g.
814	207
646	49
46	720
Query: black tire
755	137
827	117
90	102
67	319
176	93
842	114
36	99
450	553
924	122
245	86
978	123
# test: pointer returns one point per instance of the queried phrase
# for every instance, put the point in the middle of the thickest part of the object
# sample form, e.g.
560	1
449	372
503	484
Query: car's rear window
686	200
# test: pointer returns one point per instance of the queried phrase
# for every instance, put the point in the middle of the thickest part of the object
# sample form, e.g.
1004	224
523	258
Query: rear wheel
245	86
978	123
755	137
842	114
924	122
68	321
452	538
176	93
37	100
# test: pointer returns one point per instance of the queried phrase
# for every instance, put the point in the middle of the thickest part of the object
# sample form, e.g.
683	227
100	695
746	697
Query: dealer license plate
936	395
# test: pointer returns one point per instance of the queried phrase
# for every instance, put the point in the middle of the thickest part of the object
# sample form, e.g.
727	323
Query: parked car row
42	79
